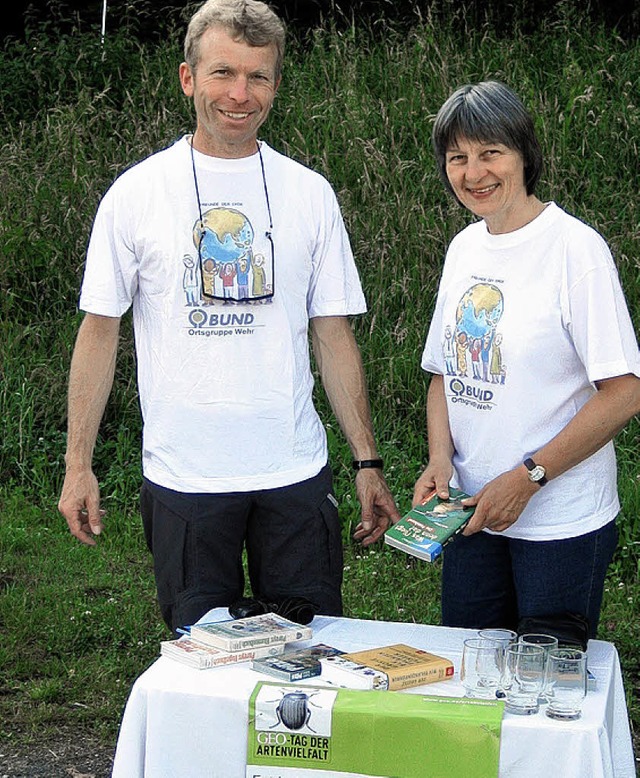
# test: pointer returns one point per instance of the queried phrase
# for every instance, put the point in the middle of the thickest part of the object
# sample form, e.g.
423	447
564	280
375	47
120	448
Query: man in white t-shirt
234	455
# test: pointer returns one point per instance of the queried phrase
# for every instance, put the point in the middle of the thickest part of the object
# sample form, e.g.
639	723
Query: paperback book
390	667
426	529
266	629
195	654
295	665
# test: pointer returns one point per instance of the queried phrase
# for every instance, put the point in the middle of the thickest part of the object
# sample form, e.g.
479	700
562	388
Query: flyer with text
300	731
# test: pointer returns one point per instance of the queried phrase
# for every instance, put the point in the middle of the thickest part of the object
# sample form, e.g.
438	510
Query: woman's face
488	179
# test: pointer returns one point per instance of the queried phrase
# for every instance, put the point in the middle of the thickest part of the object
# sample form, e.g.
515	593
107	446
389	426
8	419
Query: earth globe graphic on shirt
479	311
224	236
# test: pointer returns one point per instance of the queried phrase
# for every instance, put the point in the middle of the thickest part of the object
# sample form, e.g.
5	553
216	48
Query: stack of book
265	640
221	643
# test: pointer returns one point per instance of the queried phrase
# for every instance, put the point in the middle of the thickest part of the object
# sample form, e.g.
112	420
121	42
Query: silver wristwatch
536	473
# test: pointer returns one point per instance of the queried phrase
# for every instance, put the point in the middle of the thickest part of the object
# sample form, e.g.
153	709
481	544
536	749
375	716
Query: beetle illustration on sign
283	708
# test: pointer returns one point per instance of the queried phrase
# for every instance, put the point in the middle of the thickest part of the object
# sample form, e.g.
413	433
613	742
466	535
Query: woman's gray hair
251	21
488	112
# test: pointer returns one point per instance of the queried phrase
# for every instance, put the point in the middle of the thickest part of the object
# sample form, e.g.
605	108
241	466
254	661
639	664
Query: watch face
537	473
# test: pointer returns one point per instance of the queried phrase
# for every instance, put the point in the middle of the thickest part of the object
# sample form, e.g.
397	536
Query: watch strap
363	464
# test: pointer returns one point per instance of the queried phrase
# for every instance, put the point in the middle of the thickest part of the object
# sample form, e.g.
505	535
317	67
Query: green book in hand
427	528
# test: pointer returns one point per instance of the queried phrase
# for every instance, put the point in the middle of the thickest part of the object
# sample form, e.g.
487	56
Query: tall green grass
356	103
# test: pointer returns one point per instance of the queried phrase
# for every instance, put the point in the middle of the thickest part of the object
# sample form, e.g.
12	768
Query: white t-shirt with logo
225	387
525	323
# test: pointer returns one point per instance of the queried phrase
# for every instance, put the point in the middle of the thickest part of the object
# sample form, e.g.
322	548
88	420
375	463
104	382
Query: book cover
427	528
389	667
295	665
195	654
266	629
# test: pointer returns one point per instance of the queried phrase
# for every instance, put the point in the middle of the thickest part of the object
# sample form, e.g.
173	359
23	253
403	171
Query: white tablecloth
179	720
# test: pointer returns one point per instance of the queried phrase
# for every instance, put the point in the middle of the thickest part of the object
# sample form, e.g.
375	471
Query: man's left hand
378	506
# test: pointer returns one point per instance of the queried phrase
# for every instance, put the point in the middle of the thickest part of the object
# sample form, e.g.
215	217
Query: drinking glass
481	667
503	636
523	678
566	683
547	642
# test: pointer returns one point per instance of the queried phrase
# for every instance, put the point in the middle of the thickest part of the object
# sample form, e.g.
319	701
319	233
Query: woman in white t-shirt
530	439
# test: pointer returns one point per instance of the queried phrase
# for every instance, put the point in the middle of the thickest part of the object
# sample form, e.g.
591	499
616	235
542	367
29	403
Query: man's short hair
487	112
251	21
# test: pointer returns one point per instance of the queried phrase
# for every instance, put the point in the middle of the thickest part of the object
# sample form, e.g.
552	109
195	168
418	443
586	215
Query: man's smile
235	114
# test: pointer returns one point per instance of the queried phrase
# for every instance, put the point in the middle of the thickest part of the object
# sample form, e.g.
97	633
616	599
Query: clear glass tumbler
523	678
566	683
481	667
503	636
547	642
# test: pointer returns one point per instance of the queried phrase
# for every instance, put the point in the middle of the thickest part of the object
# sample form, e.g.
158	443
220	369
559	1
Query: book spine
240	644
405	680
236	644
205	658
256	641
238	656
434	552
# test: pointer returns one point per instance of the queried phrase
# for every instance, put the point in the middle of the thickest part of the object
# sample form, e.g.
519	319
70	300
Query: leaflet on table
427	528
266	629
301	731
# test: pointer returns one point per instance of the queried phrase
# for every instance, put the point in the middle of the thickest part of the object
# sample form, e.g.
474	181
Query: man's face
233	87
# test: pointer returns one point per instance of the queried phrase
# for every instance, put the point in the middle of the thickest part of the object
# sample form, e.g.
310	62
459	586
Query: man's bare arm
343	378
90	381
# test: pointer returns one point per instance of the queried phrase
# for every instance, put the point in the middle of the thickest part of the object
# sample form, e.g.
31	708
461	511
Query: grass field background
79	624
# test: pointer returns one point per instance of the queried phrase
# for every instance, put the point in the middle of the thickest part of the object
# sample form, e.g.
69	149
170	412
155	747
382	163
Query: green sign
315	732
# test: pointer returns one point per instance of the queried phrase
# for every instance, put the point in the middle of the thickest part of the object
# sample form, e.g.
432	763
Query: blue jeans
494	581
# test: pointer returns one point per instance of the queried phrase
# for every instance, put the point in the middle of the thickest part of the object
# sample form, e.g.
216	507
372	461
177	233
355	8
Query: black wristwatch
536	473
365	464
